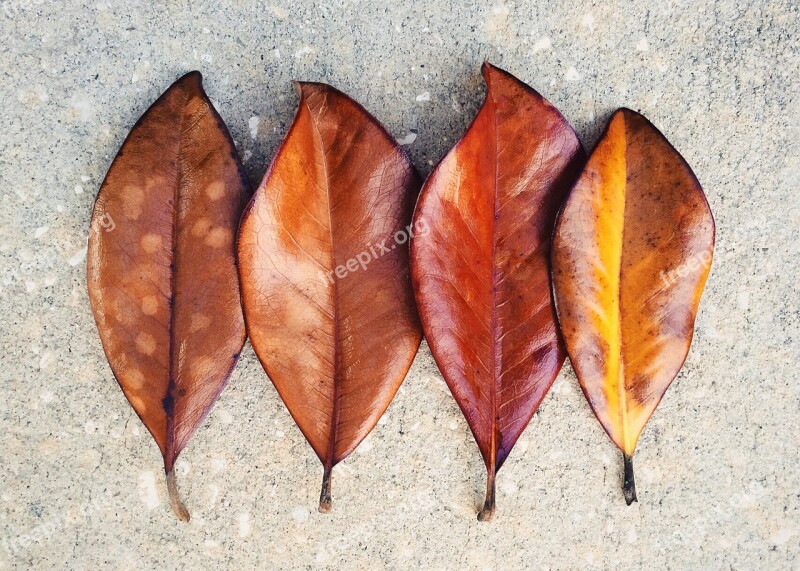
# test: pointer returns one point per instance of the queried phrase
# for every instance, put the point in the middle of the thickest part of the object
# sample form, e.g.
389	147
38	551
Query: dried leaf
161	266
324	269
631	253
481	274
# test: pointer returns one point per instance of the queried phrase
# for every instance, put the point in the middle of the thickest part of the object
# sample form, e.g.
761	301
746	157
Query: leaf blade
481	276
163	221
338	187
636	216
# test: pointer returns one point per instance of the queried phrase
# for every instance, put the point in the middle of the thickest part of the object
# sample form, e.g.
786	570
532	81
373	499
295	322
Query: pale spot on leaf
215	190
151	243
201	227
118	310
137	403
203	367
150	305
145	343
135	379
198	321
218	237
157	183
132	199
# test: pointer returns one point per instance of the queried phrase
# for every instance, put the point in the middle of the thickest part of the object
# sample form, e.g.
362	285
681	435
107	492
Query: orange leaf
631	252
161	266
324	268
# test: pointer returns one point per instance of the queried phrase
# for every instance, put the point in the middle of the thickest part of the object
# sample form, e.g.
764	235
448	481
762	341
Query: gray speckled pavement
81	484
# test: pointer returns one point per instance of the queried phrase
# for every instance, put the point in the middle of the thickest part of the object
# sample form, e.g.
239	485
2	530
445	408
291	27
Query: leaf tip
193	78
486	71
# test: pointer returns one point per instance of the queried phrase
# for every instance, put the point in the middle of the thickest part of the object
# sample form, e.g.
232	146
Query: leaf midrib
335	408
173	290
493	327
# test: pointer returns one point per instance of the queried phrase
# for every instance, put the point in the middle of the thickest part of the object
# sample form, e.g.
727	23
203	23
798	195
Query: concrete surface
81	485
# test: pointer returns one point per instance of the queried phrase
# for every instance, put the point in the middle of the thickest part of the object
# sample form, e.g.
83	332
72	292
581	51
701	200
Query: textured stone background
717	467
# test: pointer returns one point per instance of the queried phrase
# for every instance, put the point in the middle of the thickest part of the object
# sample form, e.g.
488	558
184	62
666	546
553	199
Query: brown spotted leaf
481	274
324	269
161	266
631	253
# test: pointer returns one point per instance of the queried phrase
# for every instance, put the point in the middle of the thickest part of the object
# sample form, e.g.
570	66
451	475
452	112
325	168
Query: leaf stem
174	500
629	485
325	502
487	513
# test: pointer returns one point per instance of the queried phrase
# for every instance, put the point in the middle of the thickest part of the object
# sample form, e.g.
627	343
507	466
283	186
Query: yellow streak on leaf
610	209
